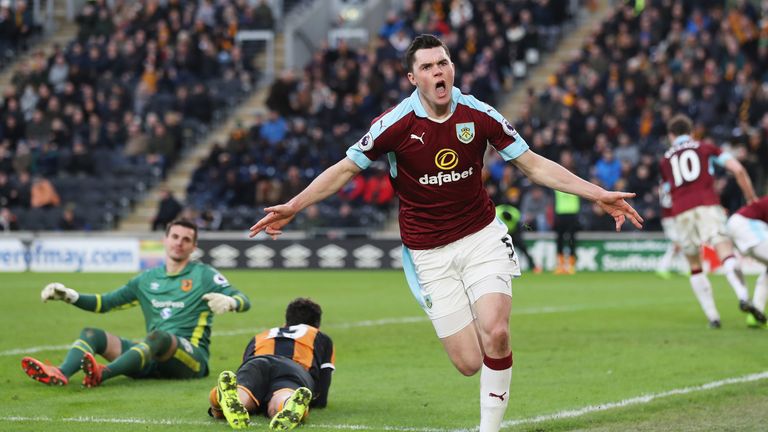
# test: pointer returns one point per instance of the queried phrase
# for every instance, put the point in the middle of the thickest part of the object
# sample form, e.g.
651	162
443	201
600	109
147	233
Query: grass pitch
586	348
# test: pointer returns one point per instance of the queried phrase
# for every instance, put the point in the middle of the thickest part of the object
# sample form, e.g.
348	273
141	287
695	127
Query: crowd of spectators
119	103
610	104
103	118
18	29
316	113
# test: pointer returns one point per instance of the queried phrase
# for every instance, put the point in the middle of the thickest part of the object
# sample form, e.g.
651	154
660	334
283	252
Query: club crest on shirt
366	142
186	284
465	132
428	301
509	129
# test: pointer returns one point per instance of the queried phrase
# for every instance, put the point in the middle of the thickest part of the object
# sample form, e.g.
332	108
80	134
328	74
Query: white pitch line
636	400
179	422
643	399
355	324
164	422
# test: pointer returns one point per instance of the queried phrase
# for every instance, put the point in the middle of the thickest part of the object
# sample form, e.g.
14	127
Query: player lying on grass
748	228
177	300
285	370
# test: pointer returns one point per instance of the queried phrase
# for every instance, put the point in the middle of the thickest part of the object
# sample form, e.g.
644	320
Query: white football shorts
746	233
670	229
701	225
447	280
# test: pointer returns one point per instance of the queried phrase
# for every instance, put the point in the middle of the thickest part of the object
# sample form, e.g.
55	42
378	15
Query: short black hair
680	124
424	41
182	222
303	311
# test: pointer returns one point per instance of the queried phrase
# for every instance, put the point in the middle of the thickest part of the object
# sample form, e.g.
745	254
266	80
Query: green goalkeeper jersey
171	303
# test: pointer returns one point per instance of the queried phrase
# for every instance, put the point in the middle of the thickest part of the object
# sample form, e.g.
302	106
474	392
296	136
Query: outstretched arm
122	297
326	184
742	179
553	175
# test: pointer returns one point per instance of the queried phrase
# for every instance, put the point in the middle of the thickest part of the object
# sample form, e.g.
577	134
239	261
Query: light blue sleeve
355	152
514	150
722	159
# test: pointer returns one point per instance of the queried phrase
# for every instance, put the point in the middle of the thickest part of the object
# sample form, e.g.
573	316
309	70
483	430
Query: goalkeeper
178	300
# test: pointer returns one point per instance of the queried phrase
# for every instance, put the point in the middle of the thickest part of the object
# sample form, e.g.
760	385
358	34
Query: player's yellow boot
234	411
753	323
752	311
294	410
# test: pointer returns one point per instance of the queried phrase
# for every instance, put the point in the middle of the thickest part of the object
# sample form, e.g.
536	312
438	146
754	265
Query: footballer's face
179	243
433	74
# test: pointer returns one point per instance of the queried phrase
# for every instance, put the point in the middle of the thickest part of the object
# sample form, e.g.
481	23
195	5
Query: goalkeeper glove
57	291
220	303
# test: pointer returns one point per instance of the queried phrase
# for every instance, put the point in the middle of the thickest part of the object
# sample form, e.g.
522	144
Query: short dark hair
680	124
303	311
182	222
424	41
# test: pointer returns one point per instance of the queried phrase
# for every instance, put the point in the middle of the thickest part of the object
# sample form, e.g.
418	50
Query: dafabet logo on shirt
445	159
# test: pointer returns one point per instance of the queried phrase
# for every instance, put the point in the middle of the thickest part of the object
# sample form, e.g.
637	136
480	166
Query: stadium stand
74	119
316	114
102	119
18	30
610	104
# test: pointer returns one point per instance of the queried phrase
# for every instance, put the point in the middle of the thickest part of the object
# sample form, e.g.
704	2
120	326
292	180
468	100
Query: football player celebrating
177	300
458	258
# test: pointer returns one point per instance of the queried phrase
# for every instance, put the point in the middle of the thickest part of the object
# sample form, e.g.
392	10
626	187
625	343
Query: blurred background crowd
88	130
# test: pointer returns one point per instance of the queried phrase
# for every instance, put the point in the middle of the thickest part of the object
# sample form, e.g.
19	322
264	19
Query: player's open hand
614	204
57	291
277	217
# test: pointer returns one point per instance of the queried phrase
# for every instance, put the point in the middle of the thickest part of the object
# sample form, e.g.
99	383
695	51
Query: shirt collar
681	139
187	268
418	108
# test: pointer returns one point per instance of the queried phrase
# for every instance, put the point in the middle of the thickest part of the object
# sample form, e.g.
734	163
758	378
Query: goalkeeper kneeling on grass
285	371
178	300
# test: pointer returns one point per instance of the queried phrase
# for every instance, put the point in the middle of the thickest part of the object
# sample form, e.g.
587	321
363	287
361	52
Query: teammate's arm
553	175
742	179
326	184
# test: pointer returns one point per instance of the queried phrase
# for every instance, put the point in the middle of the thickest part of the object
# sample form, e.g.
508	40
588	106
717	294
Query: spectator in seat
8	221
608	169
43	194
536	207
263	18
168	209
69	220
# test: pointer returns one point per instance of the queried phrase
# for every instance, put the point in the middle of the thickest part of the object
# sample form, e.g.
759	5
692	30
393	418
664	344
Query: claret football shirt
757	210
688	167
436	165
